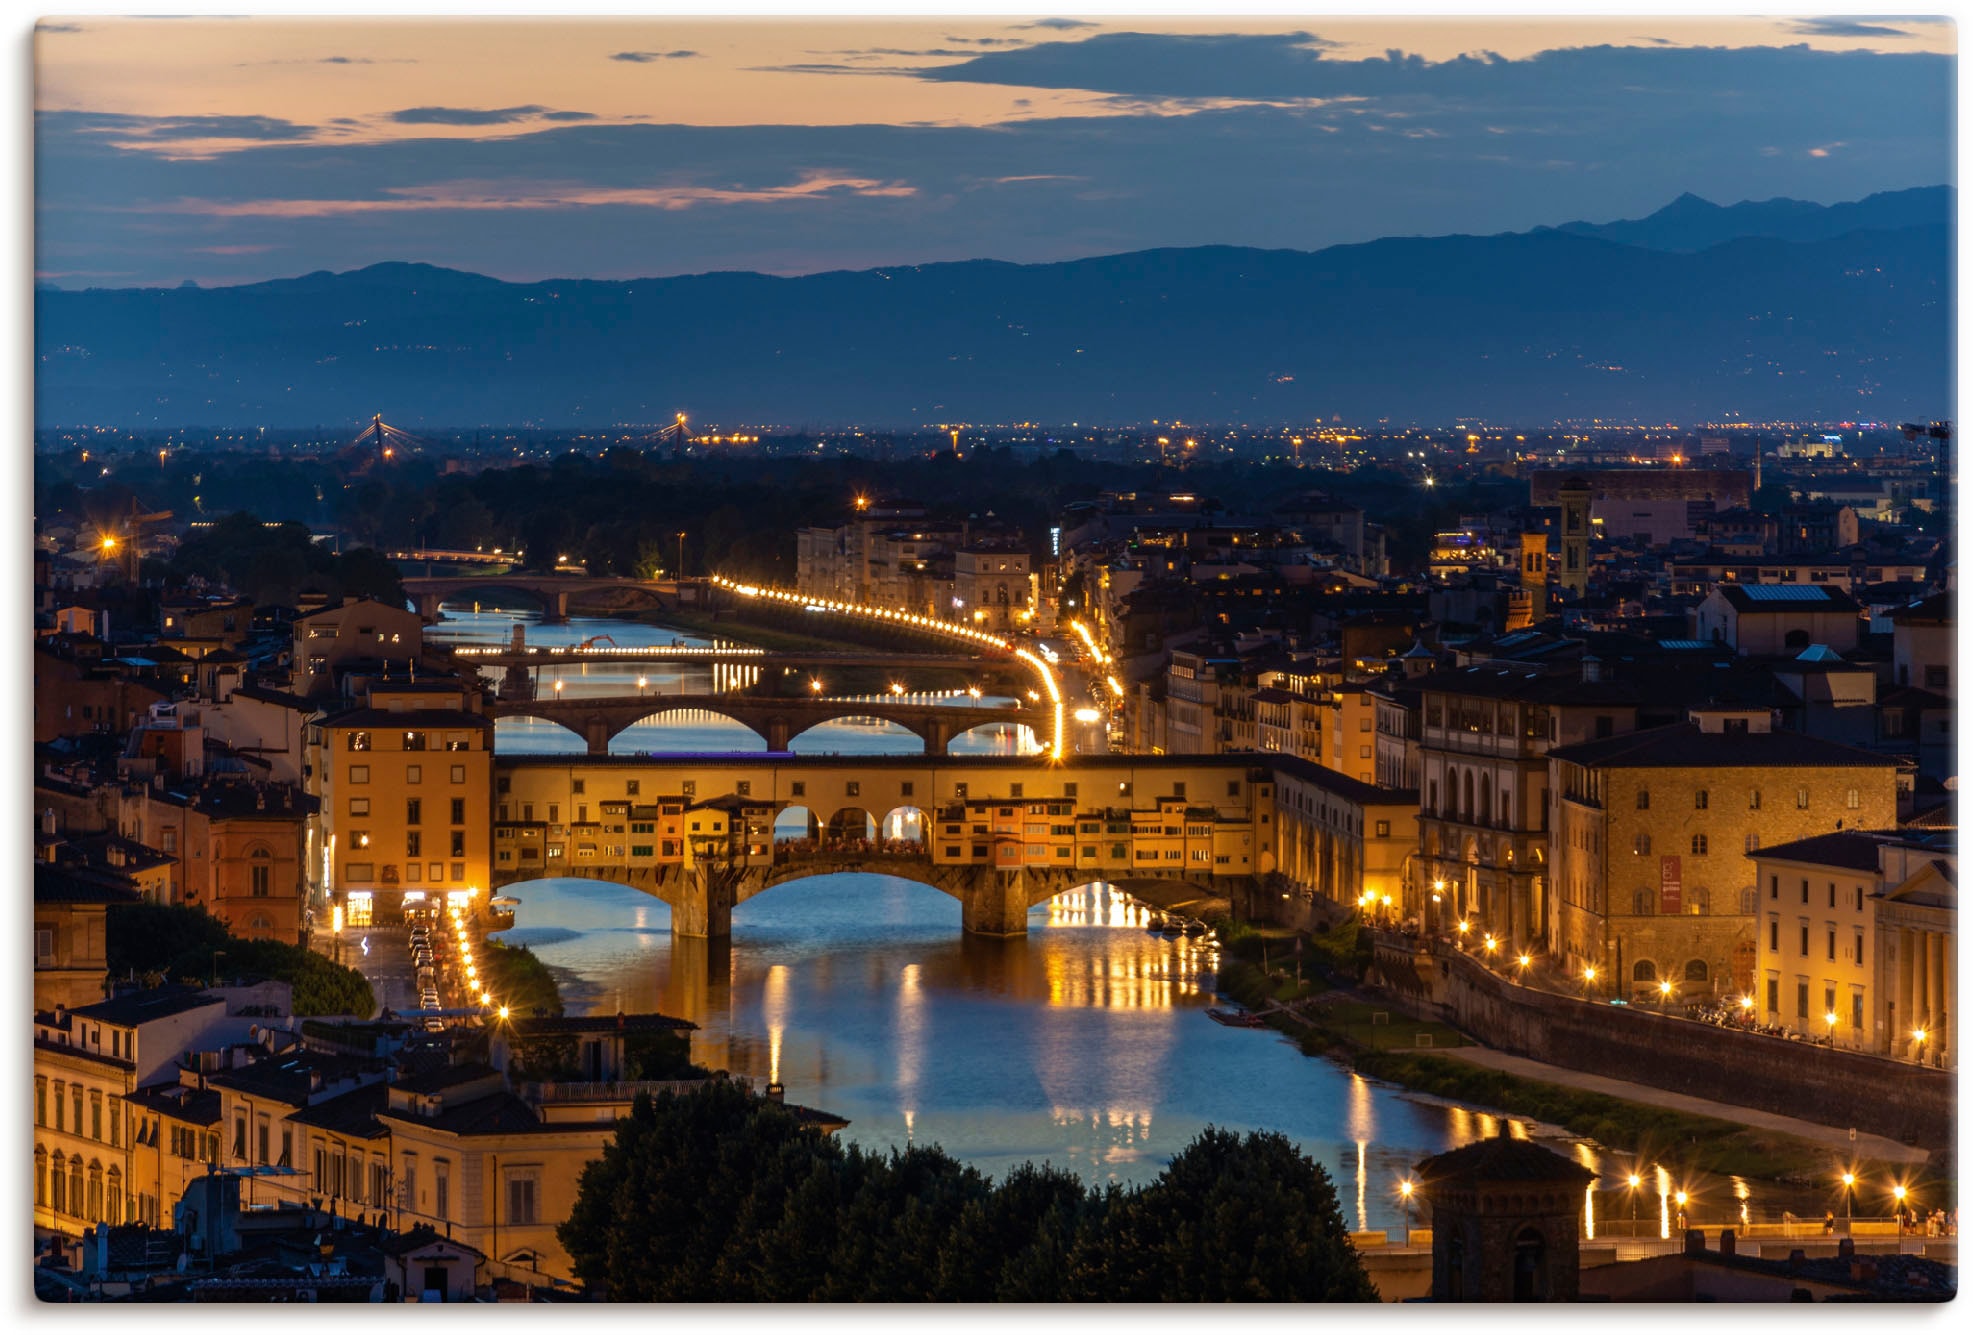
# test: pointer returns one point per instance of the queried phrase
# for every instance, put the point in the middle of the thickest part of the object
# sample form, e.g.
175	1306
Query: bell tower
1574	496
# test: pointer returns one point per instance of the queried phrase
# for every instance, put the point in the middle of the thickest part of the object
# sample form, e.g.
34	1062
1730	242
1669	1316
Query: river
1084	1043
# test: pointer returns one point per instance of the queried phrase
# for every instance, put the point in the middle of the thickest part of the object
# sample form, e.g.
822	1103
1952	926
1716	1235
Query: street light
1849	1194
1634	1182
1665	996
1680	1198
897	688
1898	1193
1918	1053
1405	1187
815	685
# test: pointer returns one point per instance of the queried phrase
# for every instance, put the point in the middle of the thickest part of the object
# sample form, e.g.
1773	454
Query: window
459	811
1805	891
800	789
441	1189
1850	799
1856	1011
359	806
1832	894
1774	936
1644	971
1859	955
414	741
1832	943
263	1139
459	774
1805	940
1774	996
359	774
414	811
1698	845
520	1200
409	1185
1774	887
630	787
95	1115
1753	843
414	773
1644	799
41	1101
855	789
413	845
576	786
1641	845
1383	829
359	741
61	1105
458	843
1801	999
1754	800
1700	797
1801	799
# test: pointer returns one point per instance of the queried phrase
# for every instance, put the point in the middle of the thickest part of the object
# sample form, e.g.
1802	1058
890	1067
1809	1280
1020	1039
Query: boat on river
1234	1017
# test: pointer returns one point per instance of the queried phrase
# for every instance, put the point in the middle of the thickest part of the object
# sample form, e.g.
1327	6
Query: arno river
1084	1043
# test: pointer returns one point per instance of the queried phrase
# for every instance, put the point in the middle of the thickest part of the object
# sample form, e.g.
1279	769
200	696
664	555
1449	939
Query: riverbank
1675	1137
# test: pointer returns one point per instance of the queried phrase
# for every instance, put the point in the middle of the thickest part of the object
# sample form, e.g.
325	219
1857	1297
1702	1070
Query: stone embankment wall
1908	1103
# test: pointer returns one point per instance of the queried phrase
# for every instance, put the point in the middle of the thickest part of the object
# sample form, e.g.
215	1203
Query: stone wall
1911	1104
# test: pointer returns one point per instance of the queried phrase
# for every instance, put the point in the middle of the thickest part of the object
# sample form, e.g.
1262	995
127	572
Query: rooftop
1502	1158
1684	746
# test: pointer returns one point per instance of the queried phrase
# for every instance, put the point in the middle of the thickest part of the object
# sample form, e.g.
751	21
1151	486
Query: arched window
1644	971
95	1210
75	1186
40	1176
113	1188
1530	1266
1644	799
1641	902
260	871
1750	900
1486	804
1696	972
1641	845
58	1193
1466	808
1700	798
1699	900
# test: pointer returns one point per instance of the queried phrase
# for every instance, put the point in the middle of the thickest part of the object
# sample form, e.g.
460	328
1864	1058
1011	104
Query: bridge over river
999	834
597	719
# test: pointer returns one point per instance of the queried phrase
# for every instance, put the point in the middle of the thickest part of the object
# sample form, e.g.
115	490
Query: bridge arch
865	729
796	824
704	730
904	825
849	825
531	734
1011	738
501	593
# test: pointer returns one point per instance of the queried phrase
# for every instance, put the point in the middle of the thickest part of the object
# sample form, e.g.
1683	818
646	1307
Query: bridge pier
428	604
938	736
779	733
555	608
703	904
995	903
596	734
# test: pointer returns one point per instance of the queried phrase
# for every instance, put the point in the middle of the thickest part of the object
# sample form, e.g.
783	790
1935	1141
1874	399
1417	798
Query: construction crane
676	433
120	538
593	641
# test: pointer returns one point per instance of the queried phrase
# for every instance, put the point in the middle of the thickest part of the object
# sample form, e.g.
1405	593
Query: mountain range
1759	311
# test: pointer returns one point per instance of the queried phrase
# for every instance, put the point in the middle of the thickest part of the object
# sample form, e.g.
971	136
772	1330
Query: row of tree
720	1195
166	943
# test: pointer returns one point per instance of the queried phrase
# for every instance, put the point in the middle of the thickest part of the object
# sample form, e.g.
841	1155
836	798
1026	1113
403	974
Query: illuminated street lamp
1918	1053
1898	1194
1679	1198
973	691
815	685
1830	1020
1405	1187
897	688
1633	1182
1849	1194
1665	995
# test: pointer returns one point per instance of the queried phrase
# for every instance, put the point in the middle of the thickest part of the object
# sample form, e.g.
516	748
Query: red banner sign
1669	886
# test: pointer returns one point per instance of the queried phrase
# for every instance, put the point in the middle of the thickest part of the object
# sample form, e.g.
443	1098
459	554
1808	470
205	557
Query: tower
1574	496
1529	604
1506	1222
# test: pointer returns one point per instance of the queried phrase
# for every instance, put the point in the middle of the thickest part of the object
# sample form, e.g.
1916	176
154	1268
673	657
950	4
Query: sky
223	151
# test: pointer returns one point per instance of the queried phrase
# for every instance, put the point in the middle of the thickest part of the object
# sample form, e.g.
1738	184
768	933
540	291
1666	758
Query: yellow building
1857	935
86	1062
1345	845
1649	834
174	1135
71	950
405	782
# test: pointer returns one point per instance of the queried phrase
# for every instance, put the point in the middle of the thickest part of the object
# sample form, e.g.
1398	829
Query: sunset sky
225	151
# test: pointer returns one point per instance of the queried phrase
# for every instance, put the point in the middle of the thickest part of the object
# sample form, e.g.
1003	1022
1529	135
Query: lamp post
1589	981
1633	1182
1849	1196
1405	1187
681	555
1918	1050
1665	996
1679	1198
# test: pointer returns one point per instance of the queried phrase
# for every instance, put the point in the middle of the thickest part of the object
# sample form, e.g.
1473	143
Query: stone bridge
993	902
596	719
427	592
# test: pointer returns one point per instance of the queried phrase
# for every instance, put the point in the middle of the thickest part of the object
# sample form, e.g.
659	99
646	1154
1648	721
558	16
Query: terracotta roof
1502	1158
1851	848
1683	746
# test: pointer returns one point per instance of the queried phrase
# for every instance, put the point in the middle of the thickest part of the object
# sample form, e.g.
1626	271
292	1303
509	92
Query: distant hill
1525	327
1692	223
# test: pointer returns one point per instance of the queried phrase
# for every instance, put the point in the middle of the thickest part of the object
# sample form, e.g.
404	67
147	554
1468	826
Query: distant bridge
597	719
746	655
552	592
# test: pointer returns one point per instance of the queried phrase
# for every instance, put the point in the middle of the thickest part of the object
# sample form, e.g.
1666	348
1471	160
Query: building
1649	835
71	950
87	1062
1857	935
1345	845
238	847
362	635
1777	619
76	693
992	586
1506	1222
405	781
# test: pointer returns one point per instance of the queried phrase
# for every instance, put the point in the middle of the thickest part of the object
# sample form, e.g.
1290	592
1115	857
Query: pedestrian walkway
1838	1138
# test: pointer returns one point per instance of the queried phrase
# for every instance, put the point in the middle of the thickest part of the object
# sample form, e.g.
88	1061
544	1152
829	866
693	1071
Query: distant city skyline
223	151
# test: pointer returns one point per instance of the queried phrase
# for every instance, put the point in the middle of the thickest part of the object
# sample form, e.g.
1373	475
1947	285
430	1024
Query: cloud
1060	25
646	57
1837	26
489	196
126	128
482	116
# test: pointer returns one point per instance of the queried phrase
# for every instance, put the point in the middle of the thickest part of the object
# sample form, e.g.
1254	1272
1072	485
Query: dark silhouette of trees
719	1195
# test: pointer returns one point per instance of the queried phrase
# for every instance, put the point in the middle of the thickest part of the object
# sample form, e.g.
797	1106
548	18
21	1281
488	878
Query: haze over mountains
1761	311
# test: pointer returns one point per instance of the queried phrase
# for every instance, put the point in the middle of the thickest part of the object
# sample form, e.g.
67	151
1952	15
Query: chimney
1796	1260
1846	1248
1727	1243
1695	1242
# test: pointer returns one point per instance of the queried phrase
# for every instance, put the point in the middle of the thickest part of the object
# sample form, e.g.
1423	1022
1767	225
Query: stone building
1771	619
1648	835
1506	1218
362	634
992	586
71	950
1857	937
